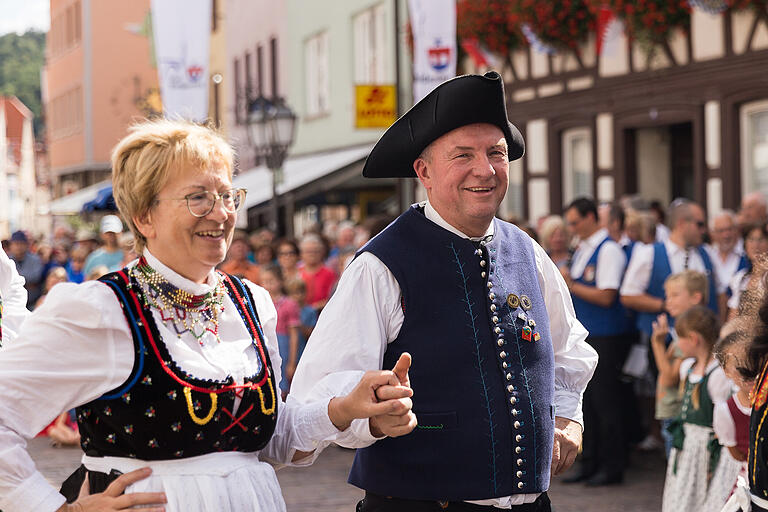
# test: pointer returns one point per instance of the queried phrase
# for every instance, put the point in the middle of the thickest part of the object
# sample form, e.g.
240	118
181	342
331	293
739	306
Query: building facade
99	77
688	119
19	194
323	51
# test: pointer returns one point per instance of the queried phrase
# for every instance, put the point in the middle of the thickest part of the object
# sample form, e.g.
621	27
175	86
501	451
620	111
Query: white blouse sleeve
575	360
71	350
719	386
14	299
299	426
638	273
723	424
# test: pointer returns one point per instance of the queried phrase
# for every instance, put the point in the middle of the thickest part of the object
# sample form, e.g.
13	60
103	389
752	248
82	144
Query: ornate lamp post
271	130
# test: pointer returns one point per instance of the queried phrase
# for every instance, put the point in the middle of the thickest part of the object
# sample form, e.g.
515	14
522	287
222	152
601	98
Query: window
369	45
249	92
66	113
754	147
316	74
577	164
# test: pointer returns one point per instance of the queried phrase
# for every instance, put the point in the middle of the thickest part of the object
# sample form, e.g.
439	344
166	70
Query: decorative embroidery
176	426
185	312
171	395
147	380
150	412
195	418
126	398
128	429
153	443
111	438
472	317
107	411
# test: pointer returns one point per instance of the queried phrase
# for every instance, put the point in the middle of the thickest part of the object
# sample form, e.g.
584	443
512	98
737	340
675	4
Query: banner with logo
182	31
433	23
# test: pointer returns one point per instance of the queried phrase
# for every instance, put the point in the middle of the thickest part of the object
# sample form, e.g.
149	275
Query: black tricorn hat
460	101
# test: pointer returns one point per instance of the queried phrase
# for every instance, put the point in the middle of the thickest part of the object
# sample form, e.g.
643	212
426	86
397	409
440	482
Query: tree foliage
21	59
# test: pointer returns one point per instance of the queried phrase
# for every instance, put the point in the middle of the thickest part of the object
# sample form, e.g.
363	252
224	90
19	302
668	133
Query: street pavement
323	488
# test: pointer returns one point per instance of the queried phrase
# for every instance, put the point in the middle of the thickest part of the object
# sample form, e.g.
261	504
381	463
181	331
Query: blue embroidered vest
659	273
161	412
483	370
598	320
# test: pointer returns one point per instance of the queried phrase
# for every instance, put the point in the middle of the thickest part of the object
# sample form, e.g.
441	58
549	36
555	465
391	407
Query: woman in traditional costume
172	366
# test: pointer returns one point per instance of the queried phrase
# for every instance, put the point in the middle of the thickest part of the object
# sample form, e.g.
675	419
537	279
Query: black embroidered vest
161	412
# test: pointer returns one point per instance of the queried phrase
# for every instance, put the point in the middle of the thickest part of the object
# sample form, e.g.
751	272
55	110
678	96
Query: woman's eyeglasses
201	203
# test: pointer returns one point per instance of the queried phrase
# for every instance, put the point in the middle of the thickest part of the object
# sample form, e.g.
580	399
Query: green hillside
21	59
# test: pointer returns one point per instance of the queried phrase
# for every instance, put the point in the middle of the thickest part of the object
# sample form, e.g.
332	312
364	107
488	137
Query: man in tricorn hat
499	359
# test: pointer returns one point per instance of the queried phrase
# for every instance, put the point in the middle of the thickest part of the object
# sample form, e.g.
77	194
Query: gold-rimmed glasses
201	203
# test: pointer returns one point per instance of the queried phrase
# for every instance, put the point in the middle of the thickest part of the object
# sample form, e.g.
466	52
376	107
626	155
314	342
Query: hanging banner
182	30
375	106
433	24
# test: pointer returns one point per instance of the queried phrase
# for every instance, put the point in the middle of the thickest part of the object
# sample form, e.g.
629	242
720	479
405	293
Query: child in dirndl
693	457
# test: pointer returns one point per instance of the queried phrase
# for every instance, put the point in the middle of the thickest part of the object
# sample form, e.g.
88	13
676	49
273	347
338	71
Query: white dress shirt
78	345
738	284
14	297
724	270
638	275
364	315
611	261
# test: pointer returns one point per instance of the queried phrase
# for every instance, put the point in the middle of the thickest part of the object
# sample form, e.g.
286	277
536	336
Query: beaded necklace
185	312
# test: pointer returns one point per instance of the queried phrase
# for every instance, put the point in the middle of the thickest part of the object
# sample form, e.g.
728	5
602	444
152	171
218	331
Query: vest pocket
436	421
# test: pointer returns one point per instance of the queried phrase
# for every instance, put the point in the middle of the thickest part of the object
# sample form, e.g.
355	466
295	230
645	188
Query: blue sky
20	15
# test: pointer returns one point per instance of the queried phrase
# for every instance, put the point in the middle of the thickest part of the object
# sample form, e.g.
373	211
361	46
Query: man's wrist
663	307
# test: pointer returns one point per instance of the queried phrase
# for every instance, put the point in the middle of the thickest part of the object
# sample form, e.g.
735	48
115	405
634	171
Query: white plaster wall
653	154
707	35
712	133
539	64
714	197
605	141
520	60
512	205
760	42
605	189
678	43
538	199
613	57
536	146
741	21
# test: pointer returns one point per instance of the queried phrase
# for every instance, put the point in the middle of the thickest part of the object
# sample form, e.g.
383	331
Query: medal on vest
527	333
589	273
525	302
513	301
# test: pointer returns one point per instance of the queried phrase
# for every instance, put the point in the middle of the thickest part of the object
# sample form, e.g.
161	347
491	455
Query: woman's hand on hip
114	499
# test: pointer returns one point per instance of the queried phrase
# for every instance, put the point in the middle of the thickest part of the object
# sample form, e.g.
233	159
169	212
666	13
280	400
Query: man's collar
431	214
595	238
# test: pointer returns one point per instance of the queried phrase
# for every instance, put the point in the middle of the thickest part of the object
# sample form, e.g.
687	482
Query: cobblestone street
323	487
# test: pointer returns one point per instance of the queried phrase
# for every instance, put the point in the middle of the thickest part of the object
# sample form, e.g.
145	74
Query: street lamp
271	129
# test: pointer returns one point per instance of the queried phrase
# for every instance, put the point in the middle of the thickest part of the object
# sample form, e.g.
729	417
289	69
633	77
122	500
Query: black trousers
376	503
605	432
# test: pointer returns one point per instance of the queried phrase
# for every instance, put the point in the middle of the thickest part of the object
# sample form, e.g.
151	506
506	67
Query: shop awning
297	172
73	203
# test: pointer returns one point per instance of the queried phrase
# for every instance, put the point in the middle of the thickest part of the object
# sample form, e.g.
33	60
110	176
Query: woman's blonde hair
548	227
143	161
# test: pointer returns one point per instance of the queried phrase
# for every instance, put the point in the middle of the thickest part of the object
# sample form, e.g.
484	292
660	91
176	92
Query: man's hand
379	393
566	446
401	421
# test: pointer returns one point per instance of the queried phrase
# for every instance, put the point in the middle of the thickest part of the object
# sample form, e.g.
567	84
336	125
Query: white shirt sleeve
723	425
72	349
14	297
299	426
575	360
638	274
719	386
350	337
611	262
